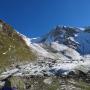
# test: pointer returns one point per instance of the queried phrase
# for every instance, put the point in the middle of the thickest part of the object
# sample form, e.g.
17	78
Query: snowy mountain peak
73	37
59	33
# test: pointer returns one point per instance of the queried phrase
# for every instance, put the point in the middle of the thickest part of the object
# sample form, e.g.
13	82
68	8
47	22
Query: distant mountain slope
13	49
75	38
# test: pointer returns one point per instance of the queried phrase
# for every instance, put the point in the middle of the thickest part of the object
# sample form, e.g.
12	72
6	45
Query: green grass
17	82
37	83
83	85
13	49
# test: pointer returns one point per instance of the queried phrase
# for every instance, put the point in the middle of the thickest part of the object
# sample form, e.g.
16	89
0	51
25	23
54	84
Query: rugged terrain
59	60
13	48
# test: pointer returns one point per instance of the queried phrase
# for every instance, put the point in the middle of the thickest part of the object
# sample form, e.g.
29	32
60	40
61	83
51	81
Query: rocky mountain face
63	52
75	38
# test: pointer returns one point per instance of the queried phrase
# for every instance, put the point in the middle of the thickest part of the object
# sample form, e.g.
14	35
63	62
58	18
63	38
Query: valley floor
45	83
48	74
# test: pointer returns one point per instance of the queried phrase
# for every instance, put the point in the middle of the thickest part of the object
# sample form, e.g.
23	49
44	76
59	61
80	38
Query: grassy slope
13	48
37	83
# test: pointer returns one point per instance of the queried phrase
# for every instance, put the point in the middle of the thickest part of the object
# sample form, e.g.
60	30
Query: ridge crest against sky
36	17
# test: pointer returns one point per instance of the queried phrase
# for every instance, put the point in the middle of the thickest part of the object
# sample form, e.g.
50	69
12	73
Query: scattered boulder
48	81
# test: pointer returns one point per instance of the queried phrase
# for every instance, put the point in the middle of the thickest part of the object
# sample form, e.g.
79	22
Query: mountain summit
72	37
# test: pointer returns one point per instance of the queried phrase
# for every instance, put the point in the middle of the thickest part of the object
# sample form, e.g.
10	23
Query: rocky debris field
48	74
49	67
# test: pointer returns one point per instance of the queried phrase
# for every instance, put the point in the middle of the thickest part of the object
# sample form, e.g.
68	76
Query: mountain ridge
57	53
62	52
69	36
13	49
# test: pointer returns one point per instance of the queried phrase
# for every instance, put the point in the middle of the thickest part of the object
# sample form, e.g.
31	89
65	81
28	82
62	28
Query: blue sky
36	17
